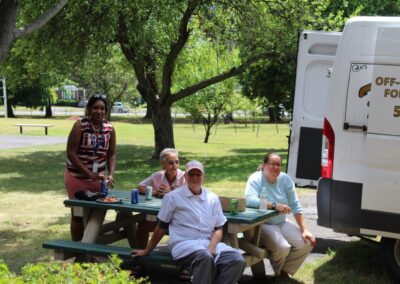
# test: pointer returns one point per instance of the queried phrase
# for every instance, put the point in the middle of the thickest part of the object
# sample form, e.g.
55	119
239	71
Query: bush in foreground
62	272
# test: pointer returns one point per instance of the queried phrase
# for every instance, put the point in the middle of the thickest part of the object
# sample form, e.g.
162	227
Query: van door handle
346	126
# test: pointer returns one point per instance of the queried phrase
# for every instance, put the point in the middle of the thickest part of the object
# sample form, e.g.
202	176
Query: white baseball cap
194	165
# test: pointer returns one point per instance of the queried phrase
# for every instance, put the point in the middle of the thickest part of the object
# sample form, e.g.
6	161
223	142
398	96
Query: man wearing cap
194	218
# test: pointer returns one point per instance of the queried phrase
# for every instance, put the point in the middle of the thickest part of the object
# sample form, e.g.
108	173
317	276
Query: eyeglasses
195	174
274	165
173	162
100	96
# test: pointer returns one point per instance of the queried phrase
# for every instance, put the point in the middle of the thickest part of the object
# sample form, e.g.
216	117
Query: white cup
263	202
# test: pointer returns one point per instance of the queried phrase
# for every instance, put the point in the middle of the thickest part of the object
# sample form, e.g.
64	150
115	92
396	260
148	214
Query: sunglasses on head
99	96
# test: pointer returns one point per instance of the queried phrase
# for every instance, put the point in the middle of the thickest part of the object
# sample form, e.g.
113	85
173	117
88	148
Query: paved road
17	141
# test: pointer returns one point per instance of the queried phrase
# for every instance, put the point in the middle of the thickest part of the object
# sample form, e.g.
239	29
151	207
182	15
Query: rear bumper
339	205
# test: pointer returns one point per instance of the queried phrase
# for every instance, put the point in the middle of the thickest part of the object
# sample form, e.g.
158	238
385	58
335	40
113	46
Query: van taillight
328	145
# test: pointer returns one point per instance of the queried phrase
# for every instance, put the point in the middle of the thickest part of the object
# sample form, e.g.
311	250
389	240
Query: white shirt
192	219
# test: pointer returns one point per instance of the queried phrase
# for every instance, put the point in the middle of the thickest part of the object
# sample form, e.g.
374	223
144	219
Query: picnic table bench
160	258
21	125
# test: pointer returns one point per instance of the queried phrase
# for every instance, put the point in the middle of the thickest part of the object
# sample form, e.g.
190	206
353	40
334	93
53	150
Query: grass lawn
32	189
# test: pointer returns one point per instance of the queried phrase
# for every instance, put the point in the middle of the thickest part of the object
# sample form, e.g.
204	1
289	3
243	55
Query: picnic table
241	231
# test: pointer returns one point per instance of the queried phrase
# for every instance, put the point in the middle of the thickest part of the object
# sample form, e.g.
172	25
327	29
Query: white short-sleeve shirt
192	219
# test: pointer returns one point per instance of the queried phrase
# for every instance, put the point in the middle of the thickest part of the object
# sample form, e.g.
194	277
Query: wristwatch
273	205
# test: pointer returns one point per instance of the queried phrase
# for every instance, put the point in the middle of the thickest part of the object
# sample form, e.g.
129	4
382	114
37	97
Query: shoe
185	275
285	275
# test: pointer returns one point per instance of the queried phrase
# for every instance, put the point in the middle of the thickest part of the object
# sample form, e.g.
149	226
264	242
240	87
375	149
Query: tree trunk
8	18
272	114
10	111
163	130
148	112
208	133
228	118
49	113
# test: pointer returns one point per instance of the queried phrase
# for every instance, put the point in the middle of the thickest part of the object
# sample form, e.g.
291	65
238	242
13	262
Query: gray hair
164	153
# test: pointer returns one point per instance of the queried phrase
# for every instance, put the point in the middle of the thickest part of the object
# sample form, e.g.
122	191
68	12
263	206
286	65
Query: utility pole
5	97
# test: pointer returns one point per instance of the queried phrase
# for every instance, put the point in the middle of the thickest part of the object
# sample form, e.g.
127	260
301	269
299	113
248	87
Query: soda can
234	206
149	193
103	188
134	196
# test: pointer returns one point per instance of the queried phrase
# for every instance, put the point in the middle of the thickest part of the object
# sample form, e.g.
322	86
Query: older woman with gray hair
169	178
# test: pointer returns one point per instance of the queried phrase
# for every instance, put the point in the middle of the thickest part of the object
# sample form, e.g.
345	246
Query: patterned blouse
93	147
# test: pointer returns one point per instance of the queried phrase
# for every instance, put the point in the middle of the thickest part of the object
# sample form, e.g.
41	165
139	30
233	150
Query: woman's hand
163	189
110	181
307	235
283	208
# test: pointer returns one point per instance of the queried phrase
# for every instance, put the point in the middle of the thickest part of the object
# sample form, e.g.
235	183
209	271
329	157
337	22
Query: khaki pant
286	246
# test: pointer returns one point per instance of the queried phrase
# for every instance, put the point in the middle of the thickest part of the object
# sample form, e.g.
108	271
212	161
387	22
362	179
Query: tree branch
176	48
41	21
219	78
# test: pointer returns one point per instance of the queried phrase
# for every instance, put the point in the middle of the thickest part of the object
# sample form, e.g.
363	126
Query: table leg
253	236
45	130
130	230
93	226
20	130
258	269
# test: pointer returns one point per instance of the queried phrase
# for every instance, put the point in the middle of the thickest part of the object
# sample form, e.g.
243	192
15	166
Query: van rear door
316	52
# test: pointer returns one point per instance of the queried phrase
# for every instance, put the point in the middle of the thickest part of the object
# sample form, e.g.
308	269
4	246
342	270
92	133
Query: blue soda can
134	196
103	189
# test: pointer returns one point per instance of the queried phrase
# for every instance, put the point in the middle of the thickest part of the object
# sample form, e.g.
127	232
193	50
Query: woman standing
90	150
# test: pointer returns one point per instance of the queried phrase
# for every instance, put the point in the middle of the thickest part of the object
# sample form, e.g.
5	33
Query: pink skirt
73	184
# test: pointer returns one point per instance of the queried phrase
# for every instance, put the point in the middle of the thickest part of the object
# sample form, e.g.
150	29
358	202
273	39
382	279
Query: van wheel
120	111
390	249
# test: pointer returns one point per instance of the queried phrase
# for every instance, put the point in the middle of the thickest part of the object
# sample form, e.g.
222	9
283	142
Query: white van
348	92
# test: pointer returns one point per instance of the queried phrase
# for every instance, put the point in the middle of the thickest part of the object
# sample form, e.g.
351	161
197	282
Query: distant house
71	92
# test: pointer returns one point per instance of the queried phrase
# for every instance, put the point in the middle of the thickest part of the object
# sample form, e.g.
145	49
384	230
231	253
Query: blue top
282	191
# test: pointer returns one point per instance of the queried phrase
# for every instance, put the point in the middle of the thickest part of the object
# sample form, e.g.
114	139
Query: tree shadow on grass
19	247
354	262
43	171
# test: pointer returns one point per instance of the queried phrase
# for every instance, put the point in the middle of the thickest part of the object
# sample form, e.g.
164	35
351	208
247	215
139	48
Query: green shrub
4	272
70	103
62	272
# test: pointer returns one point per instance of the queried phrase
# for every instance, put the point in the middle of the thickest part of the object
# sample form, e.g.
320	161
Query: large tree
13	27
152	35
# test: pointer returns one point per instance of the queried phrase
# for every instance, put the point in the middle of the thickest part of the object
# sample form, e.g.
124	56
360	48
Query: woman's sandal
185	275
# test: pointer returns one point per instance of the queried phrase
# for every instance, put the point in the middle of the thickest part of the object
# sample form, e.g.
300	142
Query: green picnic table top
249	216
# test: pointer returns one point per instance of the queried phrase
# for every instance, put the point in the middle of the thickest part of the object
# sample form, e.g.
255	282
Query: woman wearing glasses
90	150
169	178
288	243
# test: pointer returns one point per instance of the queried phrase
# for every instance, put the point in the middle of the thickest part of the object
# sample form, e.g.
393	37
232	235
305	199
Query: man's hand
212	250
139	252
